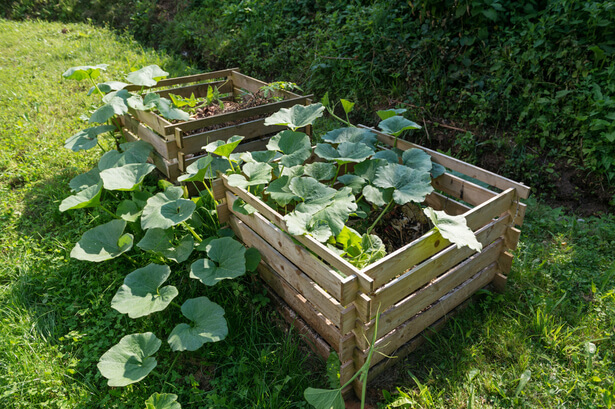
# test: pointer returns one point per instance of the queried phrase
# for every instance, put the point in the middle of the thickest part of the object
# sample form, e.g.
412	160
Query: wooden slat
450	206
166	149
169	169
411	328
297	254
199	90
470	170
186	79
301	306
237	115
485	212
218	189
365	282
415	342
223	213
499	282
249	130
303	284
462	189
423	273
253	85
505	262
421	299
157	123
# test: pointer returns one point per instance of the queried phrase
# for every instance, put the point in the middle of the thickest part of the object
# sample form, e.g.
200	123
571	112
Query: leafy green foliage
130	360
163	241
295	147
162	401
296	117
410	185
141	295
225	260
84	72
395	125
103	242
167	209
147	76
87	138
208	325
453	228
126	178
345	152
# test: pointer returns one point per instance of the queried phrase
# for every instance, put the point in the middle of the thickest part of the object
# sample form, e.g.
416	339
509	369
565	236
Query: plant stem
110	212
96	86
338	118
379	217
337	172
231	163
130	259
191	230
101	147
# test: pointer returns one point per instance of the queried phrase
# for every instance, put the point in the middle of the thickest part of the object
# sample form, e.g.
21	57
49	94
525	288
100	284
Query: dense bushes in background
534	81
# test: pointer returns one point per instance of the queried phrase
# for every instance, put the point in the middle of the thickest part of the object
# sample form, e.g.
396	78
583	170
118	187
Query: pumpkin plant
353	179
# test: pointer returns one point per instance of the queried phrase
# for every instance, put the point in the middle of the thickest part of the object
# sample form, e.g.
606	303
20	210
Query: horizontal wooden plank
462	189
366	283
199	90
320	299
487	211
166	149
156	122
430	293
269	108
188	79
301	306
401	260
168	169
414	326
297	254
253	85
414	343
444	203
249	130
426	271
472	171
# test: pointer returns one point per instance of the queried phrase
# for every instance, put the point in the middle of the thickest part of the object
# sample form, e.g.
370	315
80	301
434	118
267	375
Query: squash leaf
141	295
163	241
130	360
410	185
166	209
453	228
162	401
87	138
208	325
225	260
345	152
297	116
103	242
147	76
395	125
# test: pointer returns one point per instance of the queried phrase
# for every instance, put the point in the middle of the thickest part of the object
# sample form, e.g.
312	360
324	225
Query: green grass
56	320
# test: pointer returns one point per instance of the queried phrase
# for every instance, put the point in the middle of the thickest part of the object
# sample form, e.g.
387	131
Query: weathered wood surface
472	171
188	79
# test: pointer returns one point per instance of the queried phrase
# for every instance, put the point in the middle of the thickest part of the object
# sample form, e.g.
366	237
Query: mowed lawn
549	341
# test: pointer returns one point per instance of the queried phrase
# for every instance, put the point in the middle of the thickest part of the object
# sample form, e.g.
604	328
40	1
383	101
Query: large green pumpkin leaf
84	72
354	182
208	325
107	87
253	258
162	241
88	197
126	178
410	185
453	228
367	169
141	295
335	213
295	147
395	125
279	190
115	104
345	152
87	138
259	156
376	195
225	261
320	170
147	76
166	209
103	242
222	148
311	191
385	114
162	401
85	180
130	360
133	152
324	398
167	110
196	171
299	223
296	117
128	210
417	159
256	173
387	155
351	134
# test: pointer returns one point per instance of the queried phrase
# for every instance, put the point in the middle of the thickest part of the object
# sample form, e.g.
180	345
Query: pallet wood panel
342	318
168	82
411	328
472	171
430	293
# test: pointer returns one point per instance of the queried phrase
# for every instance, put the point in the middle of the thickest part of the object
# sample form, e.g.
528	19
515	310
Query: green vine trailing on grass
162	224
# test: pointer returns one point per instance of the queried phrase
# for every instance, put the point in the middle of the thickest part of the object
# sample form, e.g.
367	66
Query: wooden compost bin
414	288
175	147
